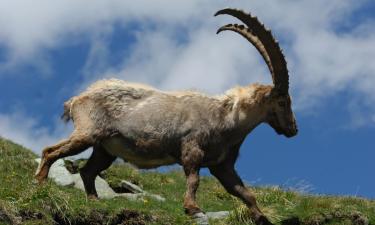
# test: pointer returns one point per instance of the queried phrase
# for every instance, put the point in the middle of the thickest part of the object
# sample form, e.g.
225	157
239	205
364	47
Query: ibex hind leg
77	143
99	160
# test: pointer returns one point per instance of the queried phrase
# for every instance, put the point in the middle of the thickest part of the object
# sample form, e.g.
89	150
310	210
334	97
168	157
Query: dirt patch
8	217
291	221
30	215
356	218
131	217
99	217
4	217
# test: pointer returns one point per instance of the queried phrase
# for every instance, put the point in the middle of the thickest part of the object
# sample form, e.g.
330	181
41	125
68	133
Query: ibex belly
142	158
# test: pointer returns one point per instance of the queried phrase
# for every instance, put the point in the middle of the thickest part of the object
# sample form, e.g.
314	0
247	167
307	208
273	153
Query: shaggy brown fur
151	128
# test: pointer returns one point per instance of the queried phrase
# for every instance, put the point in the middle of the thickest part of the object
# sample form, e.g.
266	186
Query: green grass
22	201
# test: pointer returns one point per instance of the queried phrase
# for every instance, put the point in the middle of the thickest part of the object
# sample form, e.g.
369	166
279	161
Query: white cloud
29	27
25	130
322	60
158	59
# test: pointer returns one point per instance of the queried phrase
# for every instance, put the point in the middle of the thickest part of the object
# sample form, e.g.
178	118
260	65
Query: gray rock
137	190
156	197
131	187
217	215
131	196
201	218
103	189
59	174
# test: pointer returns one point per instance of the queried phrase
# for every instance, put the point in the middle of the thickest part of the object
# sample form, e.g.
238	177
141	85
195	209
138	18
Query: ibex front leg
192	157
192	183
228	177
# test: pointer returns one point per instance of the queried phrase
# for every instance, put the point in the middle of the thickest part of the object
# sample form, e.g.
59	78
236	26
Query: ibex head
280	115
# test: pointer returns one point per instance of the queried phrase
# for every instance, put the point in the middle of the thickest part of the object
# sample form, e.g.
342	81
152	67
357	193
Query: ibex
150	128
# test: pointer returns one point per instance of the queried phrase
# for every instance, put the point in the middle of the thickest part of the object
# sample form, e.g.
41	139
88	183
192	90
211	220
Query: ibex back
150	128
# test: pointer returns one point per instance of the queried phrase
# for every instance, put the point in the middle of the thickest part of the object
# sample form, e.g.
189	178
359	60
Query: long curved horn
264	42
247	33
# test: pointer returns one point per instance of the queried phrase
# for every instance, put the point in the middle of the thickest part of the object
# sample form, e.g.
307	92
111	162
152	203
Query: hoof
92	197
39	179
200	218
193	210
35	181
263	221
41	175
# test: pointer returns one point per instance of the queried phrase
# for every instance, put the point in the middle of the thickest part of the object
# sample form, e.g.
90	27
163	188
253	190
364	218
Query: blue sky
50	52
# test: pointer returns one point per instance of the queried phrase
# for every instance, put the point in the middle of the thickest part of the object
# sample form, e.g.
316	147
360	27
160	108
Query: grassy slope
21	198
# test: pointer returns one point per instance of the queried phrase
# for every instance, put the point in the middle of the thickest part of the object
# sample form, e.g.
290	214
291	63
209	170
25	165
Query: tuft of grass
24	202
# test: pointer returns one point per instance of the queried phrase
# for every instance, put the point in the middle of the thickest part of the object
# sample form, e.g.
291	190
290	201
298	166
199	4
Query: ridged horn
263	40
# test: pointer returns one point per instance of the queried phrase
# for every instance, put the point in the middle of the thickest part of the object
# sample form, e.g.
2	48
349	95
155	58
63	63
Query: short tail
66	116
